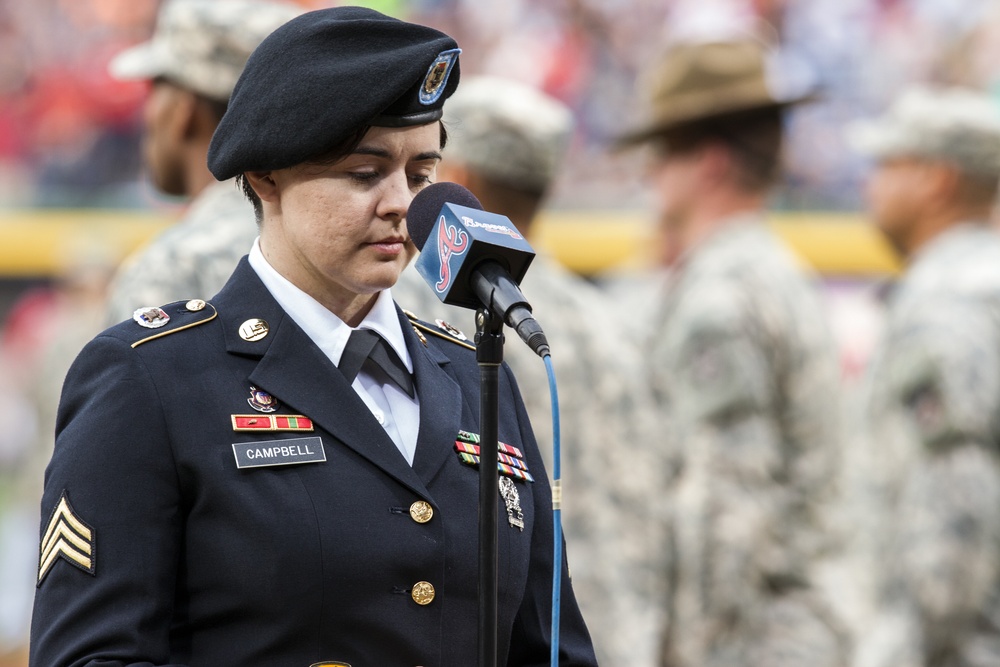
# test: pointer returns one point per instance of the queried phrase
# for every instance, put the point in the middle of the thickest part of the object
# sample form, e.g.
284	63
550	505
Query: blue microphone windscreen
425	207
459	239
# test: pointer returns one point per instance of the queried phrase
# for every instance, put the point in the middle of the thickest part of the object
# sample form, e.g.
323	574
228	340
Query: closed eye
364	176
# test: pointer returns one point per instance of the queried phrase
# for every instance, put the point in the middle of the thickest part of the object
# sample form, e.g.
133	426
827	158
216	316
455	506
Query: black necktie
366	349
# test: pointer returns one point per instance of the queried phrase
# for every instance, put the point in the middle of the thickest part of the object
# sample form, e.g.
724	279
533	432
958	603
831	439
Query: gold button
422	593
421	511
253	330
194	305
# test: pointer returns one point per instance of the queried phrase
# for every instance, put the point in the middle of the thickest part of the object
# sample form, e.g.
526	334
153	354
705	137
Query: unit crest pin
261	401
150	317
454	331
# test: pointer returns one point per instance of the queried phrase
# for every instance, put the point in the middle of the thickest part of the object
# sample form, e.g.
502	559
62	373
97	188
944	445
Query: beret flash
322	76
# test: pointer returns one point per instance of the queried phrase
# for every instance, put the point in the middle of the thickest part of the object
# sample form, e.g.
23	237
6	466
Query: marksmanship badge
511	498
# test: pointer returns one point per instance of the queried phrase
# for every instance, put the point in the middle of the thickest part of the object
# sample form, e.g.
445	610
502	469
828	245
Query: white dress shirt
398	414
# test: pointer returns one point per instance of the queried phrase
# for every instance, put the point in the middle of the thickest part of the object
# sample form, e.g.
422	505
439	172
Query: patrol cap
202	45
958	125
508	131
324	75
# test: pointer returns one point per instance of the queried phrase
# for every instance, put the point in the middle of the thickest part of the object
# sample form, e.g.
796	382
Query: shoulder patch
173	317
69	538
443	330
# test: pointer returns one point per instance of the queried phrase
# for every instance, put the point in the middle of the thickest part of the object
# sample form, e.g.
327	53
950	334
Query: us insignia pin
420	336
261	401
150	317
66	537
254	329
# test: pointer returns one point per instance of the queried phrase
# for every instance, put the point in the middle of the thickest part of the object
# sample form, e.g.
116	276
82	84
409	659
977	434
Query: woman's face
338	231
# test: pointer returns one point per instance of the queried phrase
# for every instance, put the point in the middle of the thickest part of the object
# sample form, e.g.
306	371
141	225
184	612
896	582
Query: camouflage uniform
606	432
743	368
192	258
200	46
932	460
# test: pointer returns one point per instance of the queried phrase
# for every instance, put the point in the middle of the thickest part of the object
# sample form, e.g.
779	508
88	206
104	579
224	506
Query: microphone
474	259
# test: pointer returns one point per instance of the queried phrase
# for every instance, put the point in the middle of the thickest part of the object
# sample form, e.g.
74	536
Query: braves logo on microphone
452	242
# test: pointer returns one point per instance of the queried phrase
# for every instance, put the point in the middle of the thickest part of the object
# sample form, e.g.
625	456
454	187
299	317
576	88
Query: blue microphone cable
557	545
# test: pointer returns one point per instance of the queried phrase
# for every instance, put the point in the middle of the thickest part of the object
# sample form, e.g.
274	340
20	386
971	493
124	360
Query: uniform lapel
441	406
297	373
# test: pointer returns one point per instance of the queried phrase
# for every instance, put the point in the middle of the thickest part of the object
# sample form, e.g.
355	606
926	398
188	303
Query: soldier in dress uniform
192	62
930	466
287	474
507	141
744	370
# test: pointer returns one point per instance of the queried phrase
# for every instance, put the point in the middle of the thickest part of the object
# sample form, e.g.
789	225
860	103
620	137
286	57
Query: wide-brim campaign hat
703	81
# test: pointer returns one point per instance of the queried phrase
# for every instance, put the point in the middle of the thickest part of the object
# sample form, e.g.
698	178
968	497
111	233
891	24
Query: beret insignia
437	76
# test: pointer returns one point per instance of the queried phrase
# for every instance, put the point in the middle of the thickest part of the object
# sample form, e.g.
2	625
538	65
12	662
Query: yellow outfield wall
41	243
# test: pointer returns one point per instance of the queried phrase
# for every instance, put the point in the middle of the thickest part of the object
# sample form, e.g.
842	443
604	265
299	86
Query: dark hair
331	156
754	138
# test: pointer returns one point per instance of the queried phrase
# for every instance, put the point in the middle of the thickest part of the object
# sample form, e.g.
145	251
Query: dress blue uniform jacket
172	555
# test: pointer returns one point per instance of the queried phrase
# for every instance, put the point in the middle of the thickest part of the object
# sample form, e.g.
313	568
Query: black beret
322	76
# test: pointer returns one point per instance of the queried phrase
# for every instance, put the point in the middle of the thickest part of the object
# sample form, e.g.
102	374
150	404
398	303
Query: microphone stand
489	355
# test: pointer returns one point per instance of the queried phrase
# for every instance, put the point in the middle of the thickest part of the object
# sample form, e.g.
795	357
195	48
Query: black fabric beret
321	77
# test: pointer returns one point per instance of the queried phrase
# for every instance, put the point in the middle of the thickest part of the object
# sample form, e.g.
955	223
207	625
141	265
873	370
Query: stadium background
74	199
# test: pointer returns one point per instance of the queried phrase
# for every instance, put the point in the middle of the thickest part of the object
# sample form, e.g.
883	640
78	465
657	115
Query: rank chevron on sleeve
66	537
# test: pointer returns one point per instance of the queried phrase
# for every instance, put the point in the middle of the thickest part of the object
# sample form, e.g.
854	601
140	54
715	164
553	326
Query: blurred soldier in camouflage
193	61
932	470
744	370
506	144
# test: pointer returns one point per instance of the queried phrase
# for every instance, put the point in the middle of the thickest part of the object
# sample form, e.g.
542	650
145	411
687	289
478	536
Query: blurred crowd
71	136
69	132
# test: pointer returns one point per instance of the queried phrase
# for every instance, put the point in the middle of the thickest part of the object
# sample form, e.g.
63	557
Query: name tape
279	452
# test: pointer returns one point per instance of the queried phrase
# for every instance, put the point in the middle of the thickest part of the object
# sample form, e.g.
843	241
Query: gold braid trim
215	314
417	324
